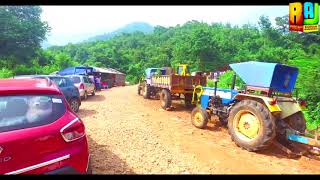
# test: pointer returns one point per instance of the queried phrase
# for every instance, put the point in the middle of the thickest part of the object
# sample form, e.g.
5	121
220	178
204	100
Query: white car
84	85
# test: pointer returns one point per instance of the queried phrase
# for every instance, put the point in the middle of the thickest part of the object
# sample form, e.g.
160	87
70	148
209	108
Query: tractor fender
262	99
281	109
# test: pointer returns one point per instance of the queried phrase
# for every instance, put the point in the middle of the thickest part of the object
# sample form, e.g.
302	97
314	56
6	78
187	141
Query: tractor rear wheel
146	91
297	122
251	125
165	98
199	117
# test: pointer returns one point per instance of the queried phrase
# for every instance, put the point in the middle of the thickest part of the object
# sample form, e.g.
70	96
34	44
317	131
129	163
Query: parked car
84	85
69	90
39	133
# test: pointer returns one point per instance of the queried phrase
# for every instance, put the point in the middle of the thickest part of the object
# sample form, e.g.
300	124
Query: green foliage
225	81
313	116
5	73
308	86
21	32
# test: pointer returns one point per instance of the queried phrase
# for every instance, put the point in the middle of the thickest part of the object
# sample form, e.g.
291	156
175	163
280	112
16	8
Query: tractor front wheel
165	98
199	117
251	125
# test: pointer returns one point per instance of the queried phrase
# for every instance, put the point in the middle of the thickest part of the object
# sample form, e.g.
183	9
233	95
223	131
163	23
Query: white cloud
72	22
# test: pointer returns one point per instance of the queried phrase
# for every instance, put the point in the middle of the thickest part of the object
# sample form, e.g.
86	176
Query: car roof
76	75
28	86
35	76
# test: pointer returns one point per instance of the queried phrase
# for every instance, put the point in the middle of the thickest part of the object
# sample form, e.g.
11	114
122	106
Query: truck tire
251	125
297	122
146	91
188	100
165	98
199	117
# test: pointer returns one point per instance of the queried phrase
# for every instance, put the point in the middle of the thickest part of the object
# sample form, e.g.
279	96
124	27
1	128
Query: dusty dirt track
128	134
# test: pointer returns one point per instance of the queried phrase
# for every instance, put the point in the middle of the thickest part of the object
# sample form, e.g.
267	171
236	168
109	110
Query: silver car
84	85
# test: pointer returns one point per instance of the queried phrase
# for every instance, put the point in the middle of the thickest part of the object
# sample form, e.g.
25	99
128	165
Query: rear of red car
39	134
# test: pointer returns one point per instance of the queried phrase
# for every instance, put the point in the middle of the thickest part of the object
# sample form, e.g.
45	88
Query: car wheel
74	105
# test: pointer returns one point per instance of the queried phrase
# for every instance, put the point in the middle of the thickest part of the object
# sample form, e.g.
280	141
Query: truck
168	84
264	112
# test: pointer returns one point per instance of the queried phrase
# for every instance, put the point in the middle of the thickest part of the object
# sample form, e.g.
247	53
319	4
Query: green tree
21	33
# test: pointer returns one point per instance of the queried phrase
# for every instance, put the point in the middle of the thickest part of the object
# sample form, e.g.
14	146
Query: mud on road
130	135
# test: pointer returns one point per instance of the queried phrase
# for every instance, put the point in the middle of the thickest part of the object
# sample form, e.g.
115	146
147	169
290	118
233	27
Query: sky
77	23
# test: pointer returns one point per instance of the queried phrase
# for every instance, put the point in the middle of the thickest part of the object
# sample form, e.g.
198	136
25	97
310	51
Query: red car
39	133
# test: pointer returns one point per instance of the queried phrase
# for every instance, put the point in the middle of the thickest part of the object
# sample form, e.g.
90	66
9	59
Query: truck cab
183	70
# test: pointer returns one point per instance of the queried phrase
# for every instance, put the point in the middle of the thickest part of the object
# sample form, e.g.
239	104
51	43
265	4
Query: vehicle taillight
303	103
81	86
73	130
273	102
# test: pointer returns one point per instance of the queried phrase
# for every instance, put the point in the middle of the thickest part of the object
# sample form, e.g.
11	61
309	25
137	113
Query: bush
132	79
6	73
309	88
225	81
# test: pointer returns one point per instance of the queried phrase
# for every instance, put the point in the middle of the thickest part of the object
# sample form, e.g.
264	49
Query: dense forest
203	46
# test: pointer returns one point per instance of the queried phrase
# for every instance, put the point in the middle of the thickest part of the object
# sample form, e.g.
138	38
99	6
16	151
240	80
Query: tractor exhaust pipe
234	81
216	80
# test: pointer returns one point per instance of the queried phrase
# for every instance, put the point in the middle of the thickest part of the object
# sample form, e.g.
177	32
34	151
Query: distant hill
129	28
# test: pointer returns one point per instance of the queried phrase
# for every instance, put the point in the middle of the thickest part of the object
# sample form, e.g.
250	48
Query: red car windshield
19	112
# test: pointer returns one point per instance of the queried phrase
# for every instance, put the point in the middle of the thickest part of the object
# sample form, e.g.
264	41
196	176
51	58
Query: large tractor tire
188	100
165	98
199	117
296	122
146	91
251	125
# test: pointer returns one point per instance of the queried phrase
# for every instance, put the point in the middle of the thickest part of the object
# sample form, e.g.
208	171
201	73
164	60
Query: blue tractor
265	111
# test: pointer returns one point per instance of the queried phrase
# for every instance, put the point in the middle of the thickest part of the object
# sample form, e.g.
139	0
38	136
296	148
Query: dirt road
128	134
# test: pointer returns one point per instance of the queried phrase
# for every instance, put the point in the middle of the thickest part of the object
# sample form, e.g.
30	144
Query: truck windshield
180	70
